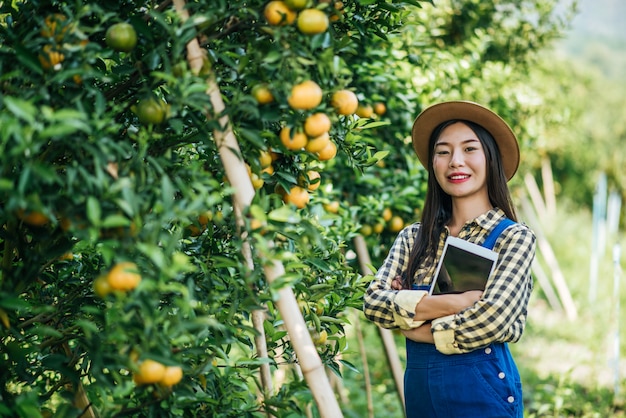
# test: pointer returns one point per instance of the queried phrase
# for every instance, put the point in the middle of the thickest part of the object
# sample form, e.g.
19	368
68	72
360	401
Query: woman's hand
396	283
420	334
437	306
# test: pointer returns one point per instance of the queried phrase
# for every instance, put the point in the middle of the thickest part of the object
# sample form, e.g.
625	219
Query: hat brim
436	114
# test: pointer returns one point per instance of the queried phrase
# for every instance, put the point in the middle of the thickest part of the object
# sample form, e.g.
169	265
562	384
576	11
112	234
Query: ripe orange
171	376
378	228
387	214
305	96
312	181
297	196
332	207
365	111
51	58
150	371
151	111
33	218
318	338
121	37
265	159
345	102
277	13
380	108
317	124
124	276
318	143
396	224
262	94
312	21
257	182
328	153
54	26
295	142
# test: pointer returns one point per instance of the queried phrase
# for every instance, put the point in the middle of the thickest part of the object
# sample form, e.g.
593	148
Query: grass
567	366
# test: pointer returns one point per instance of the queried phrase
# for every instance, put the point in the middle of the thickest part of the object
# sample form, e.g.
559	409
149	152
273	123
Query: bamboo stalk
258	316
548	186
385	334
237	174
548	254
366	371
535	195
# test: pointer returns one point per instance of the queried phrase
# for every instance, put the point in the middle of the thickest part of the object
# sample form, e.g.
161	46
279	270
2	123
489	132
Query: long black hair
437	210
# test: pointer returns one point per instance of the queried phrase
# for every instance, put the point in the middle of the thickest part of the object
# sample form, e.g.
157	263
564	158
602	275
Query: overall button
501	375
488	350
510	399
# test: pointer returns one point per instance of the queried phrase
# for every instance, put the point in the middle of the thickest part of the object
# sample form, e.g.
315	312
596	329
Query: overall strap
490	241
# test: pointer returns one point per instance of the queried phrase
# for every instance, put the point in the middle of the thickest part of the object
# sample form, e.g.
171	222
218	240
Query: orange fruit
151	111
366	230
150	371
262	94
277	13
257	182
121	37
268	170
54	26
171	376
312	181
33	218
101	286
380	108
297	196
378	228
387	214
328	153
312	21
332	207
295	142
318	143
305	96
124	276
365	111
50	58
319	338
396	224
317	124
265	159
345	102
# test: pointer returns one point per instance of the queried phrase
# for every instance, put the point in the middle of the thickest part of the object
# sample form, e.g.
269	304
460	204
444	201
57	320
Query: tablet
463	266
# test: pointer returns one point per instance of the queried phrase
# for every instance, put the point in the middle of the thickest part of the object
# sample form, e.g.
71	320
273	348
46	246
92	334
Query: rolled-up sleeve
390	308
500	315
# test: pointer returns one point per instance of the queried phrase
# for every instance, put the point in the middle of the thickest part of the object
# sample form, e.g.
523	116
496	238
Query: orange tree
124	289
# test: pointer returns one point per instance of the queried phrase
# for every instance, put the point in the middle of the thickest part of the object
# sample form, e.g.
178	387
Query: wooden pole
535	195
237	174
548	186
366	371
546	250
258	315
386	336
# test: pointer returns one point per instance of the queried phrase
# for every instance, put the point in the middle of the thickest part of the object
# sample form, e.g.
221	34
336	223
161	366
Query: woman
458	362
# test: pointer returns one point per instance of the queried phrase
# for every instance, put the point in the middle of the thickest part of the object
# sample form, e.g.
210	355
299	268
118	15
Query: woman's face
459	162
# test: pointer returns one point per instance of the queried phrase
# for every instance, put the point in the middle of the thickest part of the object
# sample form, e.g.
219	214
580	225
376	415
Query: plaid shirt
499	316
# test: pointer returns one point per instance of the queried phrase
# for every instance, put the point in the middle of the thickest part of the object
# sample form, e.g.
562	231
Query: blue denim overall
484	383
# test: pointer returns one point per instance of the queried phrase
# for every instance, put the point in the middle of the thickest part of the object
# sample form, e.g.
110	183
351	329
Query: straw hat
436	114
